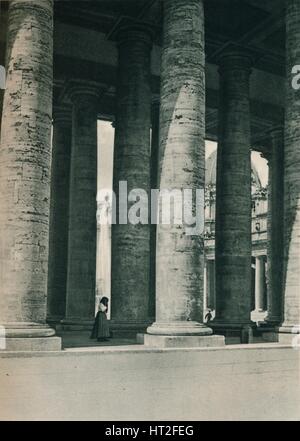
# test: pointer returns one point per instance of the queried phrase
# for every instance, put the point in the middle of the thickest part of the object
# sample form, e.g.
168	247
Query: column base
266	326
53	322
268	331
270	336
47	344
289	329
258	316
285	334
28	337
183	341
234	332
120	329
188	328
289	335
272	321
74	325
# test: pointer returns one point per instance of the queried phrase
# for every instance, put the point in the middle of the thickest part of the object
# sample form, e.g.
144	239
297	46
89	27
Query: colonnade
29	216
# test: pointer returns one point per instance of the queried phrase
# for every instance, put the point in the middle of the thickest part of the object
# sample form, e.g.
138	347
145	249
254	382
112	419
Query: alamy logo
183	207
2	77
296	77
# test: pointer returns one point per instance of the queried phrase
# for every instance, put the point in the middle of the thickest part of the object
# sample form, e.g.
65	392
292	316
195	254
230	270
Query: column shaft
154	185
205	288
275	229
25	175
210	284
233	205
131	243
259	283
180	256
81	277
3	34
291	274
59	216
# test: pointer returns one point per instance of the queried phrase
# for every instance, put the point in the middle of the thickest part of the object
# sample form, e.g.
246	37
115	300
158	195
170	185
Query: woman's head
104	301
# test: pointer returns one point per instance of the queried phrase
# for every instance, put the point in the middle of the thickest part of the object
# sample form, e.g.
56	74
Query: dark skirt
101	328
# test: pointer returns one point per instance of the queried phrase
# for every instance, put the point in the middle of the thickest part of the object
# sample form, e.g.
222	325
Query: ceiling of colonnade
85	49
255	24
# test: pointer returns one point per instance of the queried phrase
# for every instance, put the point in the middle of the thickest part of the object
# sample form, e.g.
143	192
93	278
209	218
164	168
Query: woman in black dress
101	328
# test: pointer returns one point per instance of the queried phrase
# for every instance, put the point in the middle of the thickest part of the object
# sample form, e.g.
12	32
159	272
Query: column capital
62	115
76	89
46	5
134	32
233	58
277	133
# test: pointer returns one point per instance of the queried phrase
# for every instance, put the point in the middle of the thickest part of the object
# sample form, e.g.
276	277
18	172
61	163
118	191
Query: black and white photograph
149	213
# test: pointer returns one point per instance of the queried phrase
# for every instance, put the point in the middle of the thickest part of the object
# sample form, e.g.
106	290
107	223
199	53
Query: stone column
59	215
275	229
205	289
210	272
81	275
233	205
25	177
180	256
131	243
154	185
3	34
291	273
259	283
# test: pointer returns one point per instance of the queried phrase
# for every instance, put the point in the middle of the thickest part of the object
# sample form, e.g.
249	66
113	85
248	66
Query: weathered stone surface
30	344
180	257
233	205
179	341
25	167
291	272
3	33
131	243
210	284
59	215
81	275
197	384
275	228
154	184
259	283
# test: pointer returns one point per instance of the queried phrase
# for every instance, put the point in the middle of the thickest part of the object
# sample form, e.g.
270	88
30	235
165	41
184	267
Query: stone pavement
82	340
253	382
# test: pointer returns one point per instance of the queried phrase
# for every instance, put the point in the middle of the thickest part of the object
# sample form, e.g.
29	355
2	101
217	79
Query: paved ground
253	382
82	340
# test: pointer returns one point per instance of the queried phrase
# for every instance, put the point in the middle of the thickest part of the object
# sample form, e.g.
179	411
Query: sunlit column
180	255
25	176
291	272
